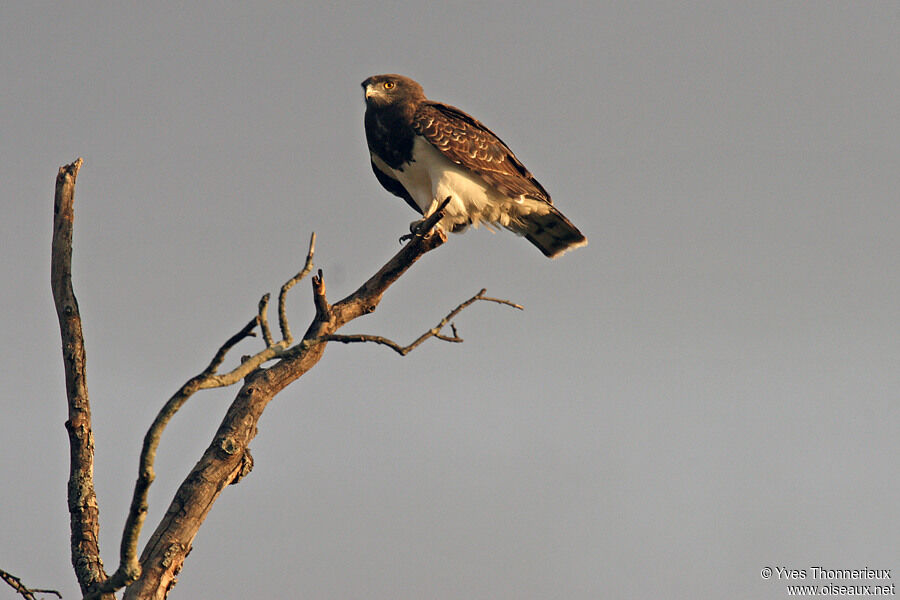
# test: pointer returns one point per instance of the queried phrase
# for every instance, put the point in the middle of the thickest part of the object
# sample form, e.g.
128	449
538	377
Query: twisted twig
433	332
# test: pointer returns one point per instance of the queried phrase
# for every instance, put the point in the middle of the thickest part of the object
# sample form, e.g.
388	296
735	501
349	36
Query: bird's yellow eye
389	85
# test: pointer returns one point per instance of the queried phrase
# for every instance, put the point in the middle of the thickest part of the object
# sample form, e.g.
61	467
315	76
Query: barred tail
552	233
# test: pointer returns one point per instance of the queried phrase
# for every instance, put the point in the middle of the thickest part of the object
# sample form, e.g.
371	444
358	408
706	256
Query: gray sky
709	388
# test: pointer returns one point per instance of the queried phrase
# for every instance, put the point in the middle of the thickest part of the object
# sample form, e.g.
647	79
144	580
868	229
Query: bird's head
387	90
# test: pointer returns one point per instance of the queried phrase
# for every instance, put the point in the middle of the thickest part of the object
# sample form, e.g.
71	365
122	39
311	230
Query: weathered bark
226	457
84	513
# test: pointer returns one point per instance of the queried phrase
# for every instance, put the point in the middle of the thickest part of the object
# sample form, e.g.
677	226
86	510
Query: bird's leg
421	227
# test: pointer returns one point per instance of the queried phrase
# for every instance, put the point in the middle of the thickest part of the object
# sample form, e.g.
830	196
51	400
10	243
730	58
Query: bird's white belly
432	177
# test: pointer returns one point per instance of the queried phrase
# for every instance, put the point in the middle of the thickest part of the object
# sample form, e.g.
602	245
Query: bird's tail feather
552	232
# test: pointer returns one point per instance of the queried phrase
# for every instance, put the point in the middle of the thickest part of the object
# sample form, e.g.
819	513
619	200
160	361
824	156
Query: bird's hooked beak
372	91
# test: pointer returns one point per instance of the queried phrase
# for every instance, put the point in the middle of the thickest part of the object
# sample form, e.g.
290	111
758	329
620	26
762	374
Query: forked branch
434	332
227	458
129	567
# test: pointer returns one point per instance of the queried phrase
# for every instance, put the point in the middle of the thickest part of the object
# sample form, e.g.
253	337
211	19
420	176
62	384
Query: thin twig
230	343
26	592
282	313
433	332
264	320
450	338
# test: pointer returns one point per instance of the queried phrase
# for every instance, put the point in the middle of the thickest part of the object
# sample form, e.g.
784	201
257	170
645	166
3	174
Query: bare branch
365	299
225	460
84	514
453	338
230	343
282	314
363	337
20	588
129	568
433	332
264	320
323	310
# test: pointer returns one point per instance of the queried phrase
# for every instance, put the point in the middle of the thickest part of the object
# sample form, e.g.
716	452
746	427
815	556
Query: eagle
425	152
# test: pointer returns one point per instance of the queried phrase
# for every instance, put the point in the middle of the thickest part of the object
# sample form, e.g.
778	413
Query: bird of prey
425	151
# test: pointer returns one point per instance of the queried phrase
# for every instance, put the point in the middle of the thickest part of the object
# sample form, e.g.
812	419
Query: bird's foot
417	228
421	227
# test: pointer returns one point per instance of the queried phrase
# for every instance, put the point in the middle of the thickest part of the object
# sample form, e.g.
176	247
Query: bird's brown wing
467	142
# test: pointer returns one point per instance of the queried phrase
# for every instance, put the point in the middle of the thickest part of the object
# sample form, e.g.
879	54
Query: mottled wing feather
467	142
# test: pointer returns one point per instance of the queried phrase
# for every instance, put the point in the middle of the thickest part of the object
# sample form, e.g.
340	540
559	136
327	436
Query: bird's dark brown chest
390	136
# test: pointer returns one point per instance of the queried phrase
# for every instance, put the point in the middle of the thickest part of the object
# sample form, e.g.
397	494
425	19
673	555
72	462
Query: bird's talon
416	229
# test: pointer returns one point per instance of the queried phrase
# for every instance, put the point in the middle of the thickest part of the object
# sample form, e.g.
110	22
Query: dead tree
227	459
